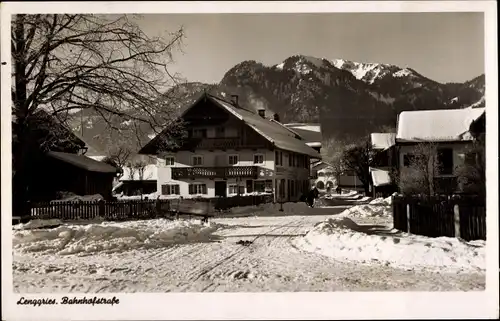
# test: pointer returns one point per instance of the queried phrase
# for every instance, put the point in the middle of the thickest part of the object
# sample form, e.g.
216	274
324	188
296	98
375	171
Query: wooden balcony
215	172
220	143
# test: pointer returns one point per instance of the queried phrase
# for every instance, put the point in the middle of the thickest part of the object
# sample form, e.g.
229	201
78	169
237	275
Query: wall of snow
110	236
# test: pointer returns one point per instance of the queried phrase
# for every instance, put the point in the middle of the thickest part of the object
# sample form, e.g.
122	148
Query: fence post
101	208
408	217
158	207
456	214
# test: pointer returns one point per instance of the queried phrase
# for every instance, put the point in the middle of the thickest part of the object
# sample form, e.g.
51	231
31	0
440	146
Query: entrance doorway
220	189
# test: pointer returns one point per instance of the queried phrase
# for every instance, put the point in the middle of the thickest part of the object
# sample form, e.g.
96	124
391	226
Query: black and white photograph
251	152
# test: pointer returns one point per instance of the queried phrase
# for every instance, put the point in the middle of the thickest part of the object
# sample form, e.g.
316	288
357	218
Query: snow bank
111	236
341	238
38	224
350	195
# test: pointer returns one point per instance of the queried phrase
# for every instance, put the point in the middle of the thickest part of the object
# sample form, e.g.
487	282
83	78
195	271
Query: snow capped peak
338	63
402	73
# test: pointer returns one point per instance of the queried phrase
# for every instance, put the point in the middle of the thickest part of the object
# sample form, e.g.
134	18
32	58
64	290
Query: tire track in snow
230	257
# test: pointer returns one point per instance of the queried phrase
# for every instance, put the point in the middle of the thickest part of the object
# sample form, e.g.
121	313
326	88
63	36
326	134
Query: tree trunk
20	191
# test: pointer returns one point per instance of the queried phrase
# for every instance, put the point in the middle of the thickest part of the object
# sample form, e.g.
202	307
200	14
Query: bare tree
92	65
419	176
138	171
358	158
332	152
119	156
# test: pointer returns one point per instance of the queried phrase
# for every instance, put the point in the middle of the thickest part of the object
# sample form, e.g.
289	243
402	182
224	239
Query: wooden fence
134	209
434	217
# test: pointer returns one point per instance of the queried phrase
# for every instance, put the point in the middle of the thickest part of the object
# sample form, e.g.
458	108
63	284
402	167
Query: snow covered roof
436	125
311	133
97	158
380	177
84	162
383	140
150	173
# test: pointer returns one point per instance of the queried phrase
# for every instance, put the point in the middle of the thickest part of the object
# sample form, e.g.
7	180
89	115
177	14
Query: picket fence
138	209
439	216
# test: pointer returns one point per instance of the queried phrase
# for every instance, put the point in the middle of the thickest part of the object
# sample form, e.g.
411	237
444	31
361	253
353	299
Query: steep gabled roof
84	162
273	131
437	125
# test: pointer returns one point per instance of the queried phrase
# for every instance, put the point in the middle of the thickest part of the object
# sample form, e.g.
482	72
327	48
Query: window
233	159
200	133
292	188
277	156
170	161
197	189
232	189
241	189
170	189
197	160
219	131
258	159
269	186
445	161
259	186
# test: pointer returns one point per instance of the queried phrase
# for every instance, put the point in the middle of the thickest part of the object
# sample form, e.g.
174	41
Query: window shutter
191	189
164	190
204	188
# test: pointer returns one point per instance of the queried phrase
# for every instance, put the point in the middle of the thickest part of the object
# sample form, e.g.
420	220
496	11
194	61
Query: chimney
234	99
276	117
262	113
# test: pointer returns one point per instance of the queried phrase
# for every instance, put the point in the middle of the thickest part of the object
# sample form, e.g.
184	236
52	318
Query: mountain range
349	99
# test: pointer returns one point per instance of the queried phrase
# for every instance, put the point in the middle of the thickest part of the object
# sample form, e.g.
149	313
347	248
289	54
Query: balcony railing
215	172
219	143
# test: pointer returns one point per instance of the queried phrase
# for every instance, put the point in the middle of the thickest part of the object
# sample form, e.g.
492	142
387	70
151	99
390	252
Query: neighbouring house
383	162
323	176
231	150
61	165
311	133
451	132
349	180
137	181
69	172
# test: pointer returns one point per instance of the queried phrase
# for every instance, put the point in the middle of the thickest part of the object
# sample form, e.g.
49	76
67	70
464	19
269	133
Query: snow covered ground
187	256
340	237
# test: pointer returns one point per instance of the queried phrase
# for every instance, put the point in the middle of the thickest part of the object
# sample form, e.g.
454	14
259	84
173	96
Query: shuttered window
197	189
170	189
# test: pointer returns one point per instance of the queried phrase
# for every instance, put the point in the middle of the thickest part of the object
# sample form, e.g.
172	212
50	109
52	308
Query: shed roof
84	162
437	125
380	176
383	140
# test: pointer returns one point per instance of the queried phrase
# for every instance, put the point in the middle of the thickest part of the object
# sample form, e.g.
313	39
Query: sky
445	47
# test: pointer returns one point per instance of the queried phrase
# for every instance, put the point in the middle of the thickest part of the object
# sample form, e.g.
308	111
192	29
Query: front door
220	188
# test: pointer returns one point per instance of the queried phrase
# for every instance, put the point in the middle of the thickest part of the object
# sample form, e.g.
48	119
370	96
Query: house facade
446	134
229	151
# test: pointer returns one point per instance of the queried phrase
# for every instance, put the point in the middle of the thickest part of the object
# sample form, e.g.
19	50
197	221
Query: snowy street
272	261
